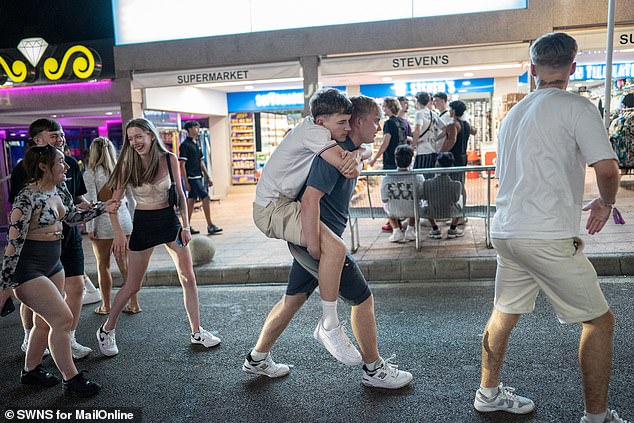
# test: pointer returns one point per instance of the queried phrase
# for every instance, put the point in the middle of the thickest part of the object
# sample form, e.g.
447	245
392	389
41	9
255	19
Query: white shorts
281	219
558	267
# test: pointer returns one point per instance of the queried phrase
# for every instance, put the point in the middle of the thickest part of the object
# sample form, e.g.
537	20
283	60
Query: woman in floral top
32	269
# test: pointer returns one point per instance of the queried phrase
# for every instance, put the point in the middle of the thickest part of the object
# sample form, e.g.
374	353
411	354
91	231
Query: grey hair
555	49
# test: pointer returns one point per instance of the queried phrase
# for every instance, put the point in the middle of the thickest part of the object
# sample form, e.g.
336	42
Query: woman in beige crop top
37	277
143	166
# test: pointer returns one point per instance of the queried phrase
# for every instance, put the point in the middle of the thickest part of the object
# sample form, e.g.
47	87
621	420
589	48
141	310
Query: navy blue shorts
72	252
353	287
197	190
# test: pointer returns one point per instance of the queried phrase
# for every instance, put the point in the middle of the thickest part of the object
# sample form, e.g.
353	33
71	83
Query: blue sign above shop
589	72
460	86
261	101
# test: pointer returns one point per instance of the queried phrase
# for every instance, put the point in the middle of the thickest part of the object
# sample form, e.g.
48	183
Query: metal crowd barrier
479	191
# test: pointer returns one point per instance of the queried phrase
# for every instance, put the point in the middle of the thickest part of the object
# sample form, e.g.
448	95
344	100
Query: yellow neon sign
83	66
17	72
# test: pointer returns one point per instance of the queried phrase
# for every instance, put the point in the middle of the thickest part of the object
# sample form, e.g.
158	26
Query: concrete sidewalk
244	254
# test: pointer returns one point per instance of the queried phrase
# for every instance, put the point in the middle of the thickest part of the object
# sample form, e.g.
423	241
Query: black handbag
172	196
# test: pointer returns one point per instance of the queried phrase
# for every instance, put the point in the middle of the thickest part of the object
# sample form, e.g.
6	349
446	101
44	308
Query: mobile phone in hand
8	307
179	239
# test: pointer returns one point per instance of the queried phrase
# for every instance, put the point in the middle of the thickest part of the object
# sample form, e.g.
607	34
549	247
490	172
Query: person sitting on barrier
443	195
397	194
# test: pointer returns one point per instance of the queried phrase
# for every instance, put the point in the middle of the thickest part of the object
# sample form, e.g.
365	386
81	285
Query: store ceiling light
387	79
469	74
108	113
452	69
244	83
249	87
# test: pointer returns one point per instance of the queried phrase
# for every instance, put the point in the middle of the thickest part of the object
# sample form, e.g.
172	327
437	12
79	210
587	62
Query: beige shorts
558	267
281	219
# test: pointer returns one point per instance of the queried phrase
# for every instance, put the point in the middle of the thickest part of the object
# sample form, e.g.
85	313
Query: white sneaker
205	338
397	235
266	367
504	400
386	376
337	343
455	233
79	351
612	417
91	297
25	346
410	234
107	342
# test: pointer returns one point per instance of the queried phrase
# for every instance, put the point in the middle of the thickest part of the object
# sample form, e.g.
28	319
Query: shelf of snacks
242	148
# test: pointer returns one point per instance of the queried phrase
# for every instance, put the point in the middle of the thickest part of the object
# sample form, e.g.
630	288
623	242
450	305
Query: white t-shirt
545	142
424	119
287	169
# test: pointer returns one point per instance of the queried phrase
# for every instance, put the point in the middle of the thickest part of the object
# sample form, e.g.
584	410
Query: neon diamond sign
33	49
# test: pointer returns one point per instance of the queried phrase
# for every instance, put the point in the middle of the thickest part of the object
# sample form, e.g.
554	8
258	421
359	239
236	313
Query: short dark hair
441	96
422	98
402	98
363	105
190	124
555	49
403	155
446	159
42	125
329	101
392	104
628	101
458	107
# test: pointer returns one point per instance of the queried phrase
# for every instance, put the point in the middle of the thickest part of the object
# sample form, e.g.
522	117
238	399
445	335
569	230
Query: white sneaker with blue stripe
504	400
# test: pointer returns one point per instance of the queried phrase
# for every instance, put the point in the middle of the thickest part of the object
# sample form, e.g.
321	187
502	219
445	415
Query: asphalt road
435	331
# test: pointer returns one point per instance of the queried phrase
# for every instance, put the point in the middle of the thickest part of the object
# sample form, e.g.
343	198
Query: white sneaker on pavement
397	235
386	376
107	342
91	297
266	367
25	346
79	351
205	338
338	344
504	400
612	417
410	234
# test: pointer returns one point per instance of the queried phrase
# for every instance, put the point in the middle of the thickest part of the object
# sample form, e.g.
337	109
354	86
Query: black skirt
153	227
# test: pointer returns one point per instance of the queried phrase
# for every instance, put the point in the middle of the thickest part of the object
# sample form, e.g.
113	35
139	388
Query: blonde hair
129	168
102	154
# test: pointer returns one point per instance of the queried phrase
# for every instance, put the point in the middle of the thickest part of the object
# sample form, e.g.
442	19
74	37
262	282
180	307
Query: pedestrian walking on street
327	188
101	162
32	268
545	142
153	176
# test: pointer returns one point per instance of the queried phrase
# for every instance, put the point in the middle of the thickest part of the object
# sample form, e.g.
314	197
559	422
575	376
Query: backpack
402	129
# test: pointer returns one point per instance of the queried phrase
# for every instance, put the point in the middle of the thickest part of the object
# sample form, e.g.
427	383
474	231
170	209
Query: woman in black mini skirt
151	172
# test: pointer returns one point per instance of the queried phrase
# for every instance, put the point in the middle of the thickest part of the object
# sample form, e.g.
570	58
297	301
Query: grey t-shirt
397	194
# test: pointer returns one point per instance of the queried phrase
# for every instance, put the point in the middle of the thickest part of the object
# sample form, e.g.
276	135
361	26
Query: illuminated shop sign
587	72
36	62
255	101
280	72
461	86
142	21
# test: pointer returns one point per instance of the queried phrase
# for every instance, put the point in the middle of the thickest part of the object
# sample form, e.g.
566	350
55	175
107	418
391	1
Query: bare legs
52	324
595	355
101	248
362	320
137	265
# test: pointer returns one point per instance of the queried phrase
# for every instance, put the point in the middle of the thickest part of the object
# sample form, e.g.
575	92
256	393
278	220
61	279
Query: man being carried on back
278	214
